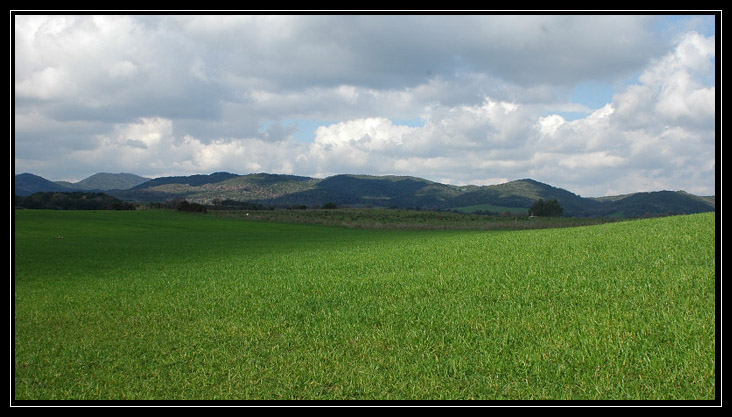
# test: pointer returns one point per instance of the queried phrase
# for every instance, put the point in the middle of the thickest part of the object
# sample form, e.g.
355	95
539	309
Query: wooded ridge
403	192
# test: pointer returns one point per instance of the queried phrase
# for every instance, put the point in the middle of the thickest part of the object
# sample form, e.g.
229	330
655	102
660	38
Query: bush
190	207
76	200
549	208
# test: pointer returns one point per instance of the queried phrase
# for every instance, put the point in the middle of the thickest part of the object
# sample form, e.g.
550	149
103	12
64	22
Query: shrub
190	207
550	208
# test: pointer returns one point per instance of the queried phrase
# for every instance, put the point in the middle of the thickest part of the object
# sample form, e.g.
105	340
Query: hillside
381	191
522	193
27	184
105	181
192	180
218	186
657	202
373	191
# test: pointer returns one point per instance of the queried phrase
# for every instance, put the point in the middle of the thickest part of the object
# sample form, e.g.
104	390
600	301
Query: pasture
136	305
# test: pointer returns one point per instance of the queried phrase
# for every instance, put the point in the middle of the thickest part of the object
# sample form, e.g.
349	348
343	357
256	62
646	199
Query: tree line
76	200
100	201
549	208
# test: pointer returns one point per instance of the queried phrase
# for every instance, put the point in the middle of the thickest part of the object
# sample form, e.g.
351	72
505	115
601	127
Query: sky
595	104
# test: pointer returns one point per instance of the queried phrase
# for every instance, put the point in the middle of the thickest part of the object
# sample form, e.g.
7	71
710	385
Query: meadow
402	219
137	305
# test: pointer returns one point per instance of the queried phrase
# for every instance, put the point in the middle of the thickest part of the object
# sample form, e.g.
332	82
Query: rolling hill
372	191
27	184
104	181
657	202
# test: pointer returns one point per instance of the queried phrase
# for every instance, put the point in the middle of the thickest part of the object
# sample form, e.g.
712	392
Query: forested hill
27	184
106	181
277	190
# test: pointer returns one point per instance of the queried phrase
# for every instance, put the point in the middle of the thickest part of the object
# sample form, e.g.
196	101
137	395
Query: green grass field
409	219
167	305
494	208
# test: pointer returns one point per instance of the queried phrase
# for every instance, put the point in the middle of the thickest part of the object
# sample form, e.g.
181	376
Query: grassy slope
493	208
407	219
146	305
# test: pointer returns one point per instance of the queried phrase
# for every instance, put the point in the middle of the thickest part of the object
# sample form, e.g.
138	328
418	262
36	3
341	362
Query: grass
396	219
519	211
166	305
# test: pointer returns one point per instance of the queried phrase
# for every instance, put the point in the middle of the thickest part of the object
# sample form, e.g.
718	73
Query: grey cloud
120	68
225	92
405	51
134	143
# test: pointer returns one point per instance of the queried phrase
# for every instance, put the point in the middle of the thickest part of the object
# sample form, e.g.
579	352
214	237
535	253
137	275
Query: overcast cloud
598	105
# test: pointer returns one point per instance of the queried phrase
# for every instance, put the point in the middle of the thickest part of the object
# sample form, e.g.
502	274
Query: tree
550	208
76	200
553	209
190	207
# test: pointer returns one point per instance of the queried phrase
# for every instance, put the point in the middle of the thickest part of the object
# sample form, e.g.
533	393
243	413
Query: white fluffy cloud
149	143
458	99
656	132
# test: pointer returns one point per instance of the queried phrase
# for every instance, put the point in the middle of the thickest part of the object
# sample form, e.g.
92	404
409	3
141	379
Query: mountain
217	186
27	184
373	191
379	191
522	193
192	180
657	202
104	181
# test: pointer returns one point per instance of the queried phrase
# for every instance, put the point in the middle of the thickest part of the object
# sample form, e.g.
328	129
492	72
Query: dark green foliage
549	208
190	207
229	204
659	203
72	201
374	187
193	180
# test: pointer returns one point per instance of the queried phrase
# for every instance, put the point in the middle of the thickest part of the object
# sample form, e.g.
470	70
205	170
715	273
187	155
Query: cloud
107	68
148	146
296	52
177	95
656	131
362	145
660	129
592	160
672	89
